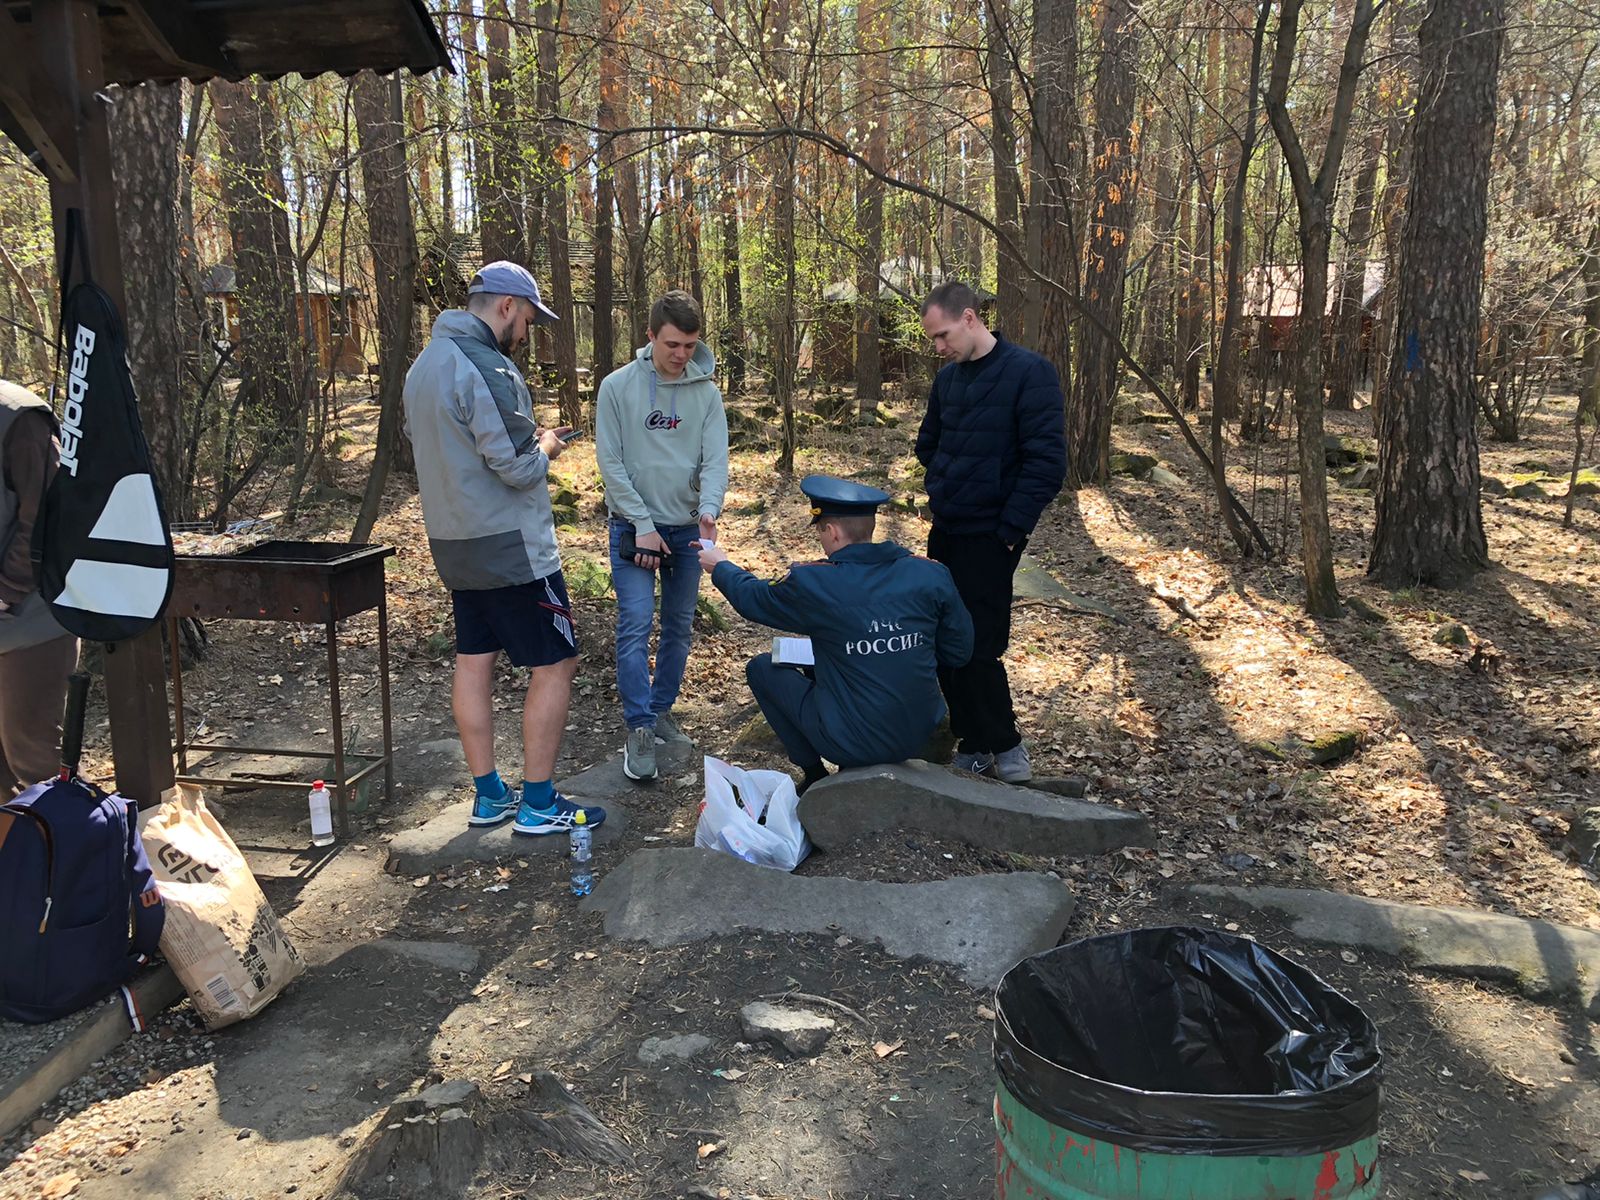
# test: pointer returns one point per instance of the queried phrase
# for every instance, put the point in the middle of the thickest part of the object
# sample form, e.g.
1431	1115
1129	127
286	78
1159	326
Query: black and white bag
102	550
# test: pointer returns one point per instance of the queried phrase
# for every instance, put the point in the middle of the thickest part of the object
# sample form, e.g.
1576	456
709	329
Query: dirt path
1460	792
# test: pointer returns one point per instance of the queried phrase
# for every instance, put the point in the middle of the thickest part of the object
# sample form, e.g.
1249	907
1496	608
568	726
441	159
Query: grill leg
341	793
173	634
383	684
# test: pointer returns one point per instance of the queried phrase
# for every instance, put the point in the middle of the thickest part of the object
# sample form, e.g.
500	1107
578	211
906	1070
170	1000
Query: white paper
792	652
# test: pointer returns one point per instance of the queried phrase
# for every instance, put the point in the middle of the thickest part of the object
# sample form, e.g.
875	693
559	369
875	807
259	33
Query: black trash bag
1187	1041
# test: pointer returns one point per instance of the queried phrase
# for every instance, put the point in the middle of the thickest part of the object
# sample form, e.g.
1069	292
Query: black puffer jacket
996	451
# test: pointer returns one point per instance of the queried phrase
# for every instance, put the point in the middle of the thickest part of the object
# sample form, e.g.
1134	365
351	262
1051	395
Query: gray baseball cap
508	279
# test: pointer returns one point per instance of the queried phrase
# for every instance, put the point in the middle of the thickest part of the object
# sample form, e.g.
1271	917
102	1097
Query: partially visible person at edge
661	438
881	620
483	471
994	446
36	654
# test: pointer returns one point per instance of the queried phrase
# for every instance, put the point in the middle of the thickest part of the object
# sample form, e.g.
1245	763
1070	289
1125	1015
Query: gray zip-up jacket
482	475
662	444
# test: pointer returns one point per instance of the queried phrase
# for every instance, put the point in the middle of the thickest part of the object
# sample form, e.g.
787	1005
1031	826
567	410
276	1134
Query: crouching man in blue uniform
881	621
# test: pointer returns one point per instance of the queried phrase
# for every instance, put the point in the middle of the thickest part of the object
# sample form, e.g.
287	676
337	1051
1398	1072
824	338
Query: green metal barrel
1038	1159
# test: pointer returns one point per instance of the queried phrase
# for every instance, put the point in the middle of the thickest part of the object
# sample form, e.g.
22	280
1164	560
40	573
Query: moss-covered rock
1341	450
1529	490
756	734
1493	486
1333	747
1586	484
1138	466
1451	635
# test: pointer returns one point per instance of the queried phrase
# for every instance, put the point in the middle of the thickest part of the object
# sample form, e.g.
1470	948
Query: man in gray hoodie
661	437
482	470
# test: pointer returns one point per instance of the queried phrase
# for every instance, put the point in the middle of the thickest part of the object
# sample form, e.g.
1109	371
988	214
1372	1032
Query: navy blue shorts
531	622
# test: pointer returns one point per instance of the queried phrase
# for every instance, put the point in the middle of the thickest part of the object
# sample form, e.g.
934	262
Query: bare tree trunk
1111	209
872	46
1588	409
1155	337
731	341
565	332
605	204
40	343
272	353
1348	365
380	125
784	342
144	147
1009	288
732	289
1054	160
498	196
1225	392
1430	518
1314	200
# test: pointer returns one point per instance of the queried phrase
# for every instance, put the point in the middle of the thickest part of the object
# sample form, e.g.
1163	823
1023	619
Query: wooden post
67	77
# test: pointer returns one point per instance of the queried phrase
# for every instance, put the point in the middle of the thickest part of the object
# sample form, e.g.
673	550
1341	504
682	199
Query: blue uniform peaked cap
834	497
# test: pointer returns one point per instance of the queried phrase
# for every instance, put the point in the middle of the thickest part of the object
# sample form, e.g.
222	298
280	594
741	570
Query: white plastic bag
752	815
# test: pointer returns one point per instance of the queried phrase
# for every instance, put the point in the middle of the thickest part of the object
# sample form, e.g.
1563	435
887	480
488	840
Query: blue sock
540	795
490	786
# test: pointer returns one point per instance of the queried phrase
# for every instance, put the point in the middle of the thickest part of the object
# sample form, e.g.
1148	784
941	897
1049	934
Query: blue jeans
644	698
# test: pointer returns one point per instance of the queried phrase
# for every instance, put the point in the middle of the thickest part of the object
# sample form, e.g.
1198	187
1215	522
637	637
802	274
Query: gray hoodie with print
662	444
481	473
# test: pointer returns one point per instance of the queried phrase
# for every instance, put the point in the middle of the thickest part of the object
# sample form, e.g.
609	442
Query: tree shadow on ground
1206	785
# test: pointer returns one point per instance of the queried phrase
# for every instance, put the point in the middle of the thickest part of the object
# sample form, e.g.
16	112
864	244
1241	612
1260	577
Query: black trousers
784	694
979	694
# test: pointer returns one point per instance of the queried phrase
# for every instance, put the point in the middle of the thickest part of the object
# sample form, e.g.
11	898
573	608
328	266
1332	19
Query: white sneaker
1014	765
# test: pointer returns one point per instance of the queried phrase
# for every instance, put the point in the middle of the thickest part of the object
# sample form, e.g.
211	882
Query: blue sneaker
487	812
532	822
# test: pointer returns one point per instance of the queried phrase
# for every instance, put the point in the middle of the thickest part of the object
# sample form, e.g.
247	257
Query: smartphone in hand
570	435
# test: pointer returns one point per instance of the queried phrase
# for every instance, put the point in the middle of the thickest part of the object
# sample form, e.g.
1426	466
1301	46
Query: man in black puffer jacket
994	445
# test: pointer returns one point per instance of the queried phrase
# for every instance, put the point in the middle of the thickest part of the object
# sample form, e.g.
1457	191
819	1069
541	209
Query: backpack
79	908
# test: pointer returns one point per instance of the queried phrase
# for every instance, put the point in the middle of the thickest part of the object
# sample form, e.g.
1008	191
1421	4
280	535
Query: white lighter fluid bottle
321	815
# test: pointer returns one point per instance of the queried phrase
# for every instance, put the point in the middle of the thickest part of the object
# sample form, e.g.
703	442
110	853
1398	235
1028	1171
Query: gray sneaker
639	754
978	764
668	733
1014	765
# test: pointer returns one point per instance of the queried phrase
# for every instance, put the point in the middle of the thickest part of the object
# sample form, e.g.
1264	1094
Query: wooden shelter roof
167	40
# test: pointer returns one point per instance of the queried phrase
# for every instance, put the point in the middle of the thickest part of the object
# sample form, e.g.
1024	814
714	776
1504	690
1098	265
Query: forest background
1150	194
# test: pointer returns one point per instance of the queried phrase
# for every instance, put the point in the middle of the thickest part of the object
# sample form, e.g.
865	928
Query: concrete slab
605	781
448	839
30	1085
983	925
1033	581
1538	958
866	801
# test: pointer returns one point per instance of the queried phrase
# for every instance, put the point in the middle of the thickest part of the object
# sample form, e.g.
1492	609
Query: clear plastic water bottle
582	854
321	815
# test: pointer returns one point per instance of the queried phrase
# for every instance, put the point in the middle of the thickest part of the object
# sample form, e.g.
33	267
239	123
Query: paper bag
221	937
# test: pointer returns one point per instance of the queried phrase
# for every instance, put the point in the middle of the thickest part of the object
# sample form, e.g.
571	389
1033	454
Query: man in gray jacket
482	469
661	438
